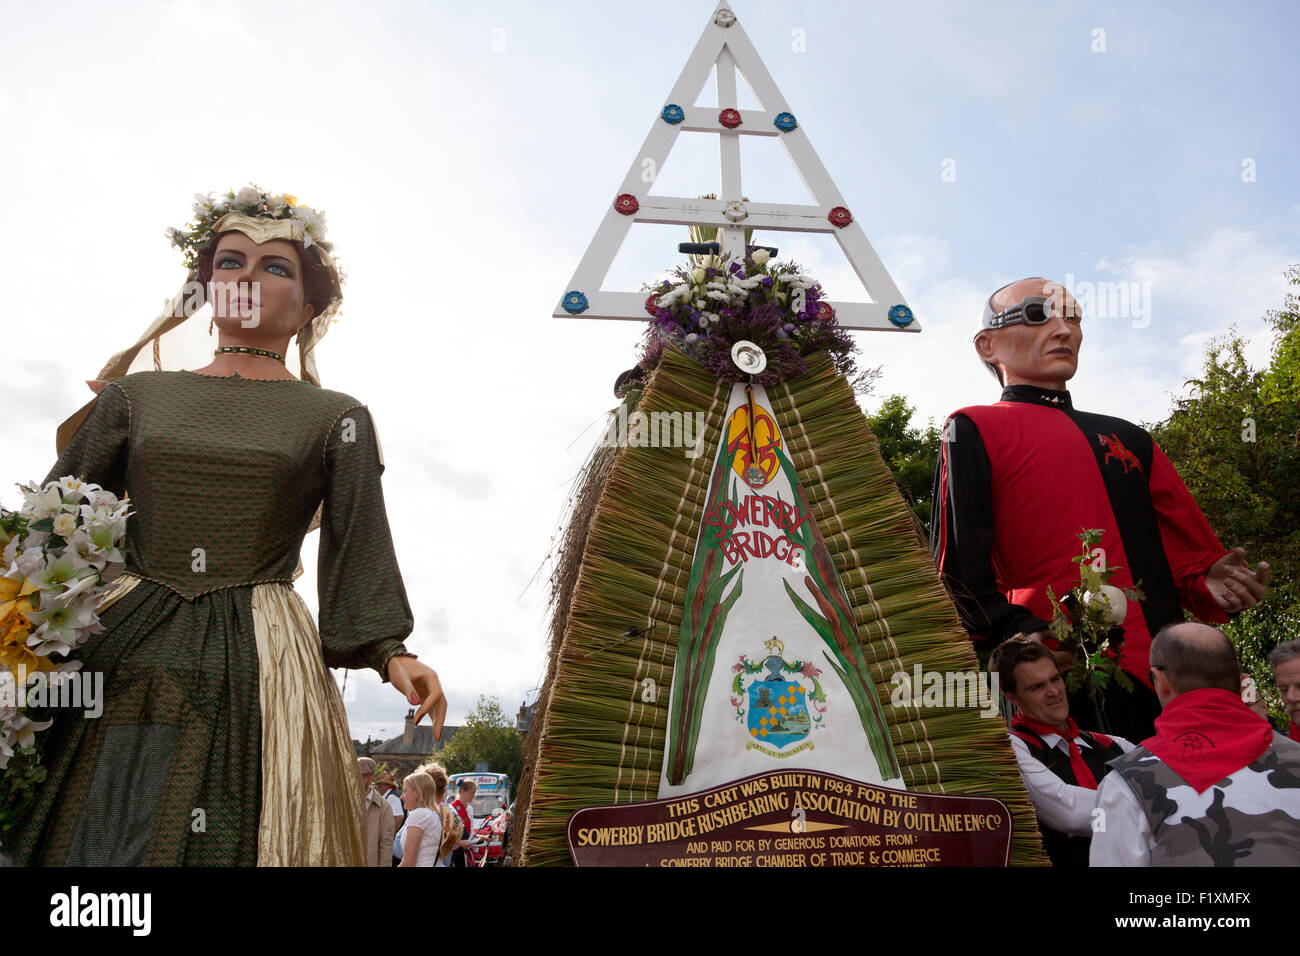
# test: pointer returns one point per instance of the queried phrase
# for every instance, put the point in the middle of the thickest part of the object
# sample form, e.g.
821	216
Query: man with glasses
1215	785
1017	481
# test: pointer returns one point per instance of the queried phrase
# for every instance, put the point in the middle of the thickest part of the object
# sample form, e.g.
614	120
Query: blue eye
283	270
221	263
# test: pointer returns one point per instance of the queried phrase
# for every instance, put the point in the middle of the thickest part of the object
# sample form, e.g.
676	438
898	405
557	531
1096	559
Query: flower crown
250	201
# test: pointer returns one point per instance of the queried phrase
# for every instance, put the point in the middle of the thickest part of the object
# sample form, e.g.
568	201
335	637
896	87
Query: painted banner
769	672
795	818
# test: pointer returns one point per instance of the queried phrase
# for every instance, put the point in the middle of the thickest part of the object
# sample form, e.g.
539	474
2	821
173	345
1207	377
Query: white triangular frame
725	44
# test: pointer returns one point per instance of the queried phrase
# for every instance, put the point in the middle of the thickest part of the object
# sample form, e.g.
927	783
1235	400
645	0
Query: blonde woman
451	825
420	839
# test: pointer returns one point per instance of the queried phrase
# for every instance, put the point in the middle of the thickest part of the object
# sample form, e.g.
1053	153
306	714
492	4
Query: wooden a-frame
725	44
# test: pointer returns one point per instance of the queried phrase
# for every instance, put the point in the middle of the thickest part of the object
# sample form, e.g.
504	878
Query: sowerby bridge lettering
756	511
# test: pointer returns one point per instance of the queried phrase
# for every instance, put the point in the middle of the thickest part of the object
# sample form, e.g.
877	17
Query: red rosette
626	204
650	303
729	118
825	311
840	217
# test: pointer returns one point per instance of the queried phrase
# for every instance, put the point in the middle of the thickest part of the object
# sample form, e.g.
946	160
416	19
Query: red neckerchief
1082	775
1294	733
1207	734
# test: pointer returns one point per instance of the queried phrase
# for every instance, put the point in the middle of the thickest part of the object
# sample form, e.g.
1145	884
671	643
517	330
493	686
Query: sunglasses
1032	310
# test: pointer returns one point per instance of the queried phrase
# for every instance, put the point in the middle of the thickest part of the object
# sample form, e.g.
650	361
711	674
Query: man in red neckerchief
1018	480
1061	764
1285	659
1215	786
465	790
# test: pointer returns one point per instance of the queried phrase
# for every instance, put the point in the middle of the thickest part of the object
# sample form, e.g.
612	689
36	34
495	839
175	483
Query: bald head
1192	656
1013	292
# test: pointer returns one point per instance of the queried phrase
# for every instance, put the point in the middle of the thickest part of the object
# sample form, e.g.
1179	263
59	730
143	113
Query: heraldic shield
778	702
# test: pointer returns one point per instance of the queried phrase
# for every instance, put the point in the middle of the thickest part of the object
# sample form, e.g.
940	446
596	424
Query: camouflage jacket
1249	818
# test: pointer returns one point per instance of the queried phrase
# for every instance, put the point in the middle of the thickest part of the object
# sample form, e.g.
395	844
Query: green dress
225	475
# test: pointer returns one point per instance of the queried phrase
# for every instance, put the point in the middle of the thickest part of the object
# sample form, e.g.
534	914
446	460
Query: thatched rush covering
621	579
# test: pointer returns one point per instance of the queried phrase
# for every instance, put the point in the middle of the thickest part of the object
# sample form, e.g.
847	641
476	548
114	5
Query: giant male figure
1018	480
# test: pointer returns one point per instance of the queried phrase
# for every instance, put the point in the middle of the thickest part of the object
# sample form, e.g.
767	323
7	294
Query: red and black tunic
1017	481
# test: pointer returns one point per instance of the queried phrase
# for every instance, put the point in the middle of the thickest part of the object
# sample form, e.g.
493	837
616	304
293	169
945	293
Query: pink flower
808	670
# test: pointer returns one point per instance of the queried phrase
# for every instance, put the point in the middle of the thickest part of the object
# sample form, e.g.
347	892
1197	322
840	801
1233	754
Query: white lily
42	502
81	545
88	578
70	486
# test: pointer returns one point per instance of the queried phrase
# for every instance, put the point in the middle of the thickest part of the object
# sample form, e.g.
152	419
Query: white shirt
1059	805
395	801
1125	839
430	825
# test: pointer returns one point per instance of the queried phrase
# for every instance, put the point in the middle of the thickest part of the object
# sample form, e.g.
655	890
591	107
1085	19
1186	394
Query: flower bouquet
1087	621
704	309
60	552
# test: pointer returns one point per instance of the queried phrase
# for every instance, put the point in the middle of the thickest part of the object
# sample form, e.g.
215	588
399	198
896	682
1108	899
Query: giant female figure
223	739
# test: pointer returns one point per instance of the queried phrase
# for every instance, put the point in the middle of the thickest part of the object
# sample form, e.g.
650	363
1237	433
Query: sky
464	155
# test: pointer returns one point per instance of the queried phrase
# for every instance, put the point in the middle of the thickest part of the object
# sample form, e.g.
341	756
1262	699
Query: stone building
403	754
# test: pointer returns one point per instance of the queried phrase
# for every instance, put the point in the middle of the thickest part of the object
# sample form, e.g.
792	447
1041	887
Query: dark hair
320	283
1015	650
1192	664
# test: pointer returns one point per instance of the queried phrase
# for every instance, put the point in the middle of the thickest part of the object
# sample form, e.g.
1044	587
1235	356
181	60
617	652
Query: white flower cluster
71	551
707	296
251	201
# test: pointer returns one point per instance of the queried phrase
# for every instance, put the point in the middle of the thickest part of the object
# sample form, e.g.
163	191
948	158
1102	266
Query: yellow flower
289	200
15	629
10	591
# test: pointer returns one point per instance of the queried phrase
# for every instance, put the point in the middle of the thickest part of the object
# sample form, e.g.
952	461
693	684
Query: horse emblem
1115	449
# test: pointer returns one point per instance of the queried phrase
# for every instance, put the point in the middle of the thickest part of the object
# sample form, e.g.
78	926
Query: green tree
910	453
488	736
1236	445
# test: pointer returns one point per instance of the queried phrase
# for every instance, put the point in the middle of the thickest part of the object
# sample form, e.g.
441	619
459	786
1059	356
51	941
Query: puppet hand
418	681
1233	586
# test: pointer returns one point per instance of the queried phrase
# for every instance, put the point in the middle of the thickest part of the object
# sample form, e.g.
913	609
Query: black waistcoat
1065	849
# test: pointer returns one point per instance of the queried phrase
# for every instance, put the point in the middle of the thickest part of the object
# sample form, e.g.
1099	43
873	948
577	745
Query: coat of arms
783	699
